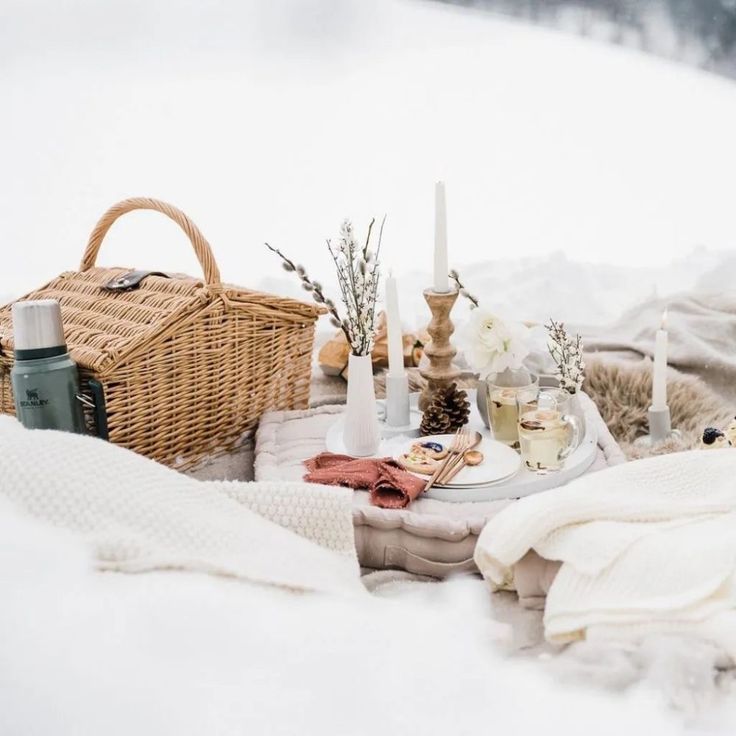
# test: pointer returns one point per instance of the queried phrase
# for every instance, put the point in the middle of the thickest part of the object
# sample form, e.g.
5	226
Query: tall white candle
441	269
659	374
393	322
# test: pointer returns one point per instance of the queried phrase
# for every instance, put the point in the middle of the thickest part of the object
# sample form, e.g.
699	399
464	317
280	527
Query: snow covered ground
180	653
272	121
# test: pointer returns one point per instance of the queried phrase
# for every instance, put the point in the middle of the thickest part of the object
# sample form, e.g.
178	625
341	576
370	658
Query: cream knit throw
646	547
138	515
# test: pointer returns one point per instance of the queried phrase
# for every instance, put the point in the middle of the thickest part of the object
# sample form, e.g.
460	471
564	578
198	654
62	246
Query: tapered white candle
659	371
441	269
393	321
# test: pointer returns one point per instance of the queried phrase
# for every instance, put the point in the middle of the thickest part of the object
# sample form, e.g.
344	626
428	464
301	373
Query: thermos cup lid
37	327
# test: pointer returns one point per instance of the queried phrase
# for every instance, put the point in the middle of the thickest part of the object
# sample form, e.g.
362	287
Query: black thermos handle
98	395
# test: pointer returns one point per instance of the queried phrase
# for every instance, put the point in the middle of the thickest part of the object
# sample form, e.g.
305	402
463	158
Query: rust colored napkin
390	486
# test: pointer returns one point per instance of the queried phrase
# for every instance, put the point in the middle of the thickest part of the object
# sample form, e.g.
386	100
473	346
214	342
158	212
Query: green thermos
45	379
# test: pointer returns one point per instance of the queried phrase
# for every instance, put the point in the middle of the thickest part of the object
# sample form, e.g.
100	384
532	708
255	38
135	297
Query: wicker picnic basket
186	366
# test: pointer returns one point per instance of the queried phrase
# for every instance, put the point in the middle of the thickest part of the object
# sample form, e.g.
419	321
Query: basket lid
100	325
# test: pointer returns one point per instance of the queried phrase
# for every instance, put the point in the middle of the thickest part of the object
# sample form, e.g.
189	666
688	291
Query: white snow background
273	120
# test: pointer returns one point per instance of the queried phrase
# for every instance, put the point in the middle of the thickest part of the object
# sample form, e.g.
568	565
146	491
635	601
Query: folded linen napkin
390	486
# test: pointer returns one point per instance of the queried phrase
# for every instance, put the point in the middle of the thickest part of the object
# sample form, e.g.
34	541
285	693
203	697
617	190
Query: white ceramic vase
361	434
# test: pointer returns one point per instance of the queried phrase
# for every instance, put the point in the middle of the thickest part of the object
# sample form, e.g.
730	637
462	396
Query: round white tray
524	483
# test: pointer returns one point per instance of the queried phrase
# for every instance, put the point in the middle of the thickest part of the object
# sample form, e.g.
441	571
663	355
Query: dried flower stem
568	356
455	276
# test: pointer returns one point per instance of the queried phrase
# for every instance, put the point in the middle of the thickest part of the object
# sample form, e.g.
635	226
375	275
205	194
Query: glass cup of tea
548	431
503	414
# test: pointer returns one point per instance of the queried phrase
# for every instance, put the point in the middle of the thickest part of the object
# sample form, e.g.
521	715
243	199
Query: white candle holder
401	407
660	428
397	400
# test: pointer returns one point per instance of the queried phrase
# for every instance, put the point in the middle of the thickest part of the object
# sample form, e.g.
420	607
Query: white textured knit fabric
646	547
138	515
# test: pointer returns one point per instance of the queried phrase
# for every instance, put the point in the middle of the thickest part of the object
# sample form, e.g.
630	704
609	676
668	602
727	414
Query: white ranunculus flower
492	344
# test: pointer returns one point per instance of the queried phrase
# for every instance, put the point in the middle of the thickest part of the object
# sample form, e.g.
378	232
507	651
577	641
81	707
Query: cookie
730	432
417	463
422	458
433	450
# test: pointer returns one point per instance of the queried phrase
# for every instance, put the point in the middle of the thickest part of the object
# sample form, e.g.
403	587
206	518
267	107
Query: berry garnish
711	434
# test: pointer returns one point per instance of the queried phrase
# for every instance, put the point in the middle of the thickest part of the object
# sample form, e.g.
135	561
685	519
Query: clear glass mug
503	415
548	431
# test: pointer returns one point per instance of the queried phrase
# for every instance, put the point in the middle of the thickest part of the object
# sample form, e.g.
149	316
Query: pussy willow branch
358	276
314	287
345	284
380	239
368	239
376	273
455	276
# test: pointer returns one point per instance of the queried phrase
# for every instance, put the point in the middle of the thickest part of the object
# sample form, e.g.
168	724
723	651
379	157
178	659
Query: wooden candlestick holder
441	372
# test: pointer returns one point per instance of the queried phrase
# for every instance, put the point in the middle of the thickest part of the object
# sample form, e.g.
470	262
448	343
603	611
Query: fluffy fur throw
622	391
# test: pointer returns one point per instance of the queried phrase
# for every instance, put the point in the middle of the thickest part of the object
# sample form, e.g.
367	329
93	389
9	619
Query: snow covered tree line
700	32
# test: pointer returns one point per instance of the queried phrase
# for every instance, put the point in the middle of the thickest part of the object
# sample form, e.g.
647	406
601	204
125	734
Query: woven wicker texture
187	366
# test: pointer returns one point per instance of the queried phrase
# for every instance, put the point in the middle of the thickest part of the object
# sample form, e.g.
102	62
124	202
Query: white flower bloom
492	345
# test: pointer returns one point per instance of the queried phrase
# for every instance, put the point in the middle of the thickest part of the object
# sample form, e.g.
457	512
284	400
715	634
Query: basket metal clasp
130	280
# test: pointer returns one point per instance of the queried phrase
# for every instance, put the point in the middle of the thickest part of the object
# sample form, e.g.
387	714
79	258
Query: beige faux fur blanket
702	337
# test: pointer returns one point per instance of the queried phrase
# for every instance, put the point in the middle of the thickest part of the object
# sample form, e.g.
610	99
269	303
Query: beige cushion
429	537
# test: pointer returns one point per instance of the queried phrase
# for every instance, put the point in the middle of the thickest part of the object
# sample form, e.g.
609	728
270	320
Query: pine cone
454	402
434	421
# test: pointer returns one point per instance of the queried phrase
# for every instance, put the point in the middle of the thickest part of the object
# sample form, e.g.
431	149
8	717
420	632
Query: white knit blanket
646	547
138	515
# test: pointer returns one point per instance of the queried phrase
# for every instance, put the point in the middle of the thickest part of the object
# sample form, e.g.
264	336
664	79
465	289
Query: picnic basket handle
199	242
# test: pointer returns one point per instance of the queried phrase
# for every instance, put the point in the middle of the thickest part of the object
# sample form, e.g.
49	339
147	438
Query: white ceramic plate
500	463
